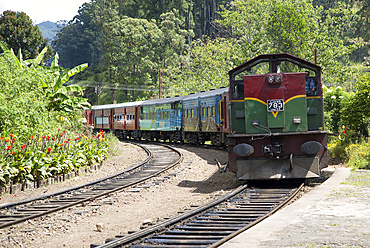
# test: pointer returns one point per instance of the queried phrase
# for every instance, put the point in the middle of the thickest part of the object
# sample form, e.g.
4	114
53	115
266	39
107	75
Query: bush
359	155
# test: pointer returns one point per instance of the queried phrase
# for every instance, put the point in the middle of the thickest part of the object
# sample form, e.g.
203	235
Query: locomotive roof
163	100
273	57
206	94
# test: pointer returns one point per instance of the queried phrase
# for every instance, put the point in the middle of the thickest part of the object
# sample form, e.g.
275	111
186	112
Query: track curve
160	158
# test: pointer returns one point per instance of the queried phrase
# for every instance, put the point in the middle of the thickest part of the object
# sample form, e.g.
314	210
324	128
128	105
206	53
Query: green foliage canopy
18	33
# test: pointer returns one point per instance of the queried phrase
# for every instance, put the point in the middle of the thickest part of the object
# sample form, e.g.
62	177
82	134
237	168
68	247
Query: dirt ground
194	181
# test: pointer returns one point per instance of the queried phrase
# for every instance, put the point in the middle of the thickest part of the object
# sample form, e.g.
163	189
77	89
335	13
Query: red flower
12	153
58	129
61	145
23	146
32	137
49	149
344	132
11	135
1	138
8	148
53	139
77	139
64	131
69	139
48	137
43	137
347	128
66	141
13	140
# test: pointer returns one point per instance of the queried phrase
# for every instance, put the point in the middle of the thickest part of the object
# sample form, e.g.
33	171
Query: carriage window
209	112
195	113
204	113
213	111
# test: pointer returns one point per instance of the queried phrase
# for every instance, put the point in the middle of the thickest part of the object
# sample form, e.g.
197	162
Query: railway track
214	223
160	158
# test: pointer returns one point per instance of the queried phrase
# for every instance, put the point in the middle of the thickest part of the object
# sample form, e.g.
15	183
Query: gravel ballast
193	182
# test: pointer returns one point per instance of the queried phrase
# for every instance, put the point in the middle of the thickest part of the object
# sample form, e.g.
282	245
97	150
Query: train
270	118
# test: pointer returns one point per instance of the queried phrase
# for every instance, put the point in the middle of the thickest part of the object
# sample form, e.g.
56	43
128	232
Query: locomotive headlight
311	147
243	150
270	79
278	79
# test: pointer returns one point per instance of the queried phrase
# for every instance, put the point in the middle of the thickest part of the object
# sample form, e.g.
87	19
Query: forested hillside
190	45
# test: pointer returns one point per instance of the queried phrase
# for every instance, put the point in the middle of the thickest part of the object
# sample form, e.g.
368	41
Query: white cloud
44	10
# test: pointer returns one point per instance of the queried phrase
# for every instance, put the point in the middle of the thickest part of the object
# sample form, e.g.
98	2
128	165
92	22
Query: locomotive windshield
273	63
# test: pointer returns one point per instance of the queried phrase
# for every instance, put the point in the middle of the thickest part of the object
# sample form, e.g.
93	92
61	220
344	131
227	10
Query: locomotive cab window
238	90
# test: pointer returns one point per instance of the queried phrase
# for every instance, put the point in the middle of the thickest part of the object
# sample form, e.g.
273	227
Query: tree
79	41
19	34
356	113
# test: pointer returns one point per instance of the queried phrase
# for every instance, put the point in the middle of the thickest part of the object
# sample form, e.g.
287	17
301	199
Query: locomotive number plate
275	105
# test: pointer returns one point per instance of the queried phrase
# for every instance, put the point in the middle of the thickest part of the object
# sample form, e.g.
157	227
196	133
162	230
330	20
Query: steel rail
220	231
224	240
90	198
160	226
42	197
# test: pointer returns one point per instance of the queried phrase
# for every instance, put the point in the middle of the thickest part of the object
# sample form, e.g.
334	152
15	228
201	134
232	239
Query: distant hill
48	29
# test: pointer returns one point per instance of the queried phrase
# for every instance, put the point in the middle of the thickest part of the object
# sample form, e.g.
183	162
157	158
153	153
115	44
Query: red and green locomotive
276	119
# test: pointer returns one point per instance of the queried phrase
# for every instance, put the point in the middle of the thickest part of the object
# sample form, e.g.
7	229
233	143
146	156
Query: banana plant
52	80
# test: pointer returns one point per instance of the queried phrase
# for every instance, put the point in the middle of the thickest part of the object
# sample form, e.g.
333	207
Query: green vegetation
135	47
41	133
19	34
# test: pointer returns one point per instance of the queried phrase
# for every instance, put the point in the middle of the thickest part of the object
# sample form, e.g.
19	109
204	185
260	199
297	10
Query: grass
359	178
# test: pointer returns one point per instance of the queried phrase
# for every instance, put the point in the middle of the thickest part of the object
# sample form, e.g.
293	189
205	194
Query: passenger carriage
160	119
103	117
203	117
126	119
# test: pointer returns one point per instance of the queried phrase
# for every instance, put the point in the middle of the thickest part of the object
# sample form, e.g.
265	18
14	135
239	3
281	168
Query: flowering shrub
359	155
42	156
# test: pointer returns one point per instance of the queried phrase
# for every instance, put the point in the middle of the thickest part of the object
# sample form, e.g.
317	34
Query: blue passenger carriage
202	118
160	119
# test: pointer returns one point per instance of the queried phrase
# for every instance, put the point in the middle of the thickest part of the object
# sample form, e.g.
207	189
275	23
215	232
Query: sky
44	10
